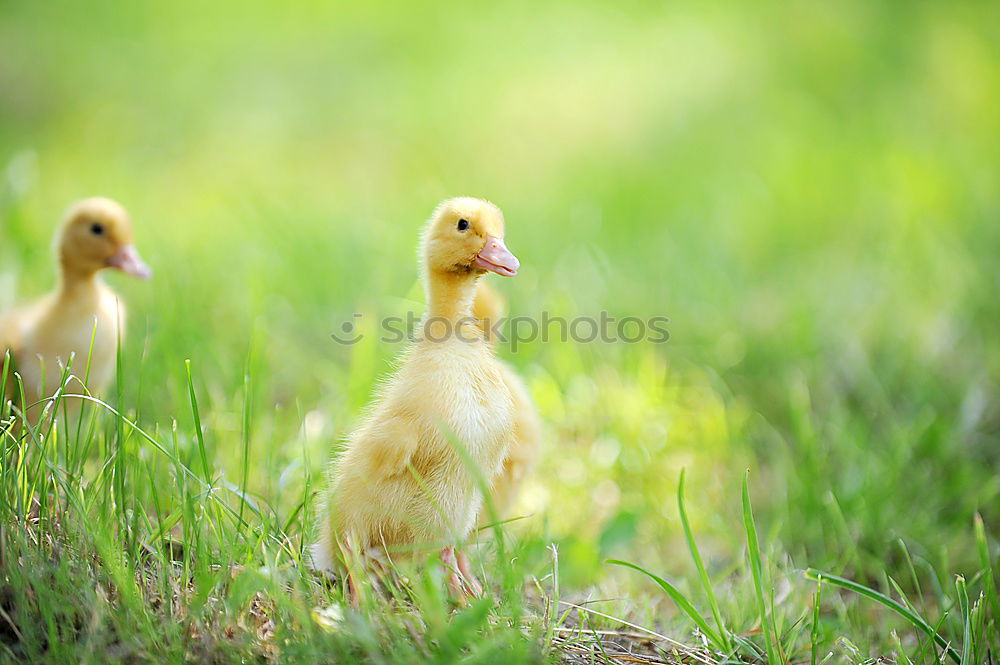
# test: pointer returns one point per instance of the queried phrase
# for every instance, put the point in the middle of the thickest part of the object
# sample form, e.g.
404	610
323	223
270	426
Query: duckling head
97	234
465	236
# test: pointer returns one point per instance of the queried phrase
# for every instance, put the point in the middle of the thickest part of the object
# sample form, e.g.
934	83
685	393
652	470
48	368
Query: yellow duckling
400	481
489	307
96	234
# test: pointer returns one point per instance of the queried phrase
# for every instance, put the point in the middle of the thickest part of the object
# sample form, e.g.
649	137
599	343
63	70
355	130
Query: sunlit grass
807	191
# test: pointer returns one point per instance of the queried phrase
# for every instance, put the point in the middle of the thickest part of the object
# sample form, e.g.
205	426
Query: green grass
806	190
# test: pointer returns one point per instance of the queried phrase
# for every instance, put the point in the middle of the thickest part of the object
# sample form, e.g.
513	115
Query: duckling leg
450	564
473	585
461	581
352	591
351	563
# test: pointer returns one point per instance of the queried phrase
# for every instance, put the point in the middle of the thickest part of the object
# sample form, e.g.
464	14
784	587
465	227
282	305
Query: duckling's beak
127	260
495	257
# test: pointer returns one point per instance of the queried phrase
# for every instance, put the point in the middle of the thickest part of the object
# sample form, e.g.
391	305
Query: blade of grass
926	641
979	612
706	582
963	605
679	599
119	470
199	434
989	583
753	547
900	652
247	424
912	570
689	653
814	632
899	591
72	462
888	602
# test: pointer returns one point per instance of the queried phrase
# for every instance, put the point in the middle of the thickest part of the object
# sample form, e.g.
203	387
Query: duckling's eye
463	225
97	229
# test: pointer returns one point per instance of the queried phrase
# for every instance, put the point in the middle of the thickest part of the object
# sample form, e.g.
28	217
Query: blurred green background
808	190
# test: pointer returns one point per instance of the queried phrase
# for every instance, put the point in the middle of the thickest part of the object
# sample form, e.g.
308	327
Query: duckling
400	481
489	307
96	233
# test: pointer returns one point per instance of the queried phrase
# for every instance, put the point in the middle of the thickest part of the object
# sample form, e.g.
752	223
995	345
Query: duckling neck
77	284
450	295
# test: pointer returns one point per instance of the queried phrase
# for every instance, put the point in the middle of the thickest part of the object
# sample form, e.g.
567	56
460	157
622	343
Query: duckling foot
461	583
475	588
353	595
450	564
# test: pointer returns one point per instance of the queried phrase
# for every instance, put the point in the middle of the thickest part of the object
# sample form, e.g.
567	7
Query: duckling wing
389	447
524	447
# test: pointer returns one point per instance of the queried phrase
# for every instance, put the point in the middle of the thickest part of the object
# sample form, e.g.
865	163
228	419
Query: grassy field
807	190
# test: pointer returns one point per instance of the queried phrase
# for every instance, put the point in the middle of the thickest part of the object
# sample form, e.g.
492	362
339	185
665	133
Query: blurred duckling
82	316
400	482
489	307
